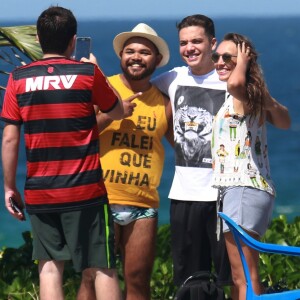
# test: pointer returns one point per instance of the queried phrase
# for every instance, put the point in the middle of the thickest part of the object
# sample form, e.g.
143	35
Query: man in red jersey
65	196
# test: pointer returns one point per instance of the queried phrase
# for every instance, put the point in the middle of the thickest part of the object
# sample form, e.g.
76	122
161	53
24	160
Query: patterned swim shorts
125	214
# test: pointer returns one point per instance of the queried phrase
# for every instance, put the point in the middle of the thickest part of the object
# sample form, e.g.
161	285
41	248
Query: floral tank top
240	150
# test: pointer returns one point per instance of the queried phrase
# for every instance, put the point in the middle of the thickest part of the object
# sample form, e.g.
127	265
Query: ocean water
278	42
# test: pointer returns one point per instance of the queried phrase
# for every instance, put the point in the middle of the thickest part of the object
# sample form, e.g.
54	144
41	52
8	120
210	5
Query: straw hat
145	31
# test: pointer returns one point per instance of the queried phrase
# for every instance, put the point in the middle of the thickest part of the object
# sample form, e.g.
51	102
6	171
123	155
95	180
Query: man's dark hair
198	20
56	26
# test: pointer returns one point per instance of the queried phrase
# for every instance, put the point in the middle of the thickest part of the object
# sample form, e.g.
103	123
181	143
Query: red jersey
53	98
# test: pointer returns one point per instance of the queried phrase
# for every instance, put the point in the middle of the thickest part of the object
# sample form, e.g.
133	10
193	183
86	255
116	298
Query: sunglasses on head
226	57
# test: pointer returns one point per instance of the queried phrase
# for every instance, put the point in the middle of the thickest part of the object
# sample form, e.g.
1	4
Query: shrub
278	269
19	275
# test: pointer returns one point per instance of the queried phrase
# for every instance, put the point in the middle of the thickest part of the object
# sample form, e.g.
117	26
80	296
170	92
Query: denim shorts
248	207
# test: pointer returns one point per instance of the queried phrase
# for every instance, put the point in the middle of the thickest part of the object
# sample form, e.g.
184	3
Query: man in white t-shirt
196	95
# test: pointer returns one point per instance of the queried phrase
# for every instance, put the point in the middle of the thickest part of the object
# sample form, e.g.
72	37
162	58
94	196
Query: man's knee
51	267
88	276
138	276
112	273
87	286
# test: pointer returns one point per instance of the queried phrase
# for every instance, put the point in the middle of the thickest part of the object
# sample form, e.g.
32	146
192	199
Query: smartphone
83	47
16	208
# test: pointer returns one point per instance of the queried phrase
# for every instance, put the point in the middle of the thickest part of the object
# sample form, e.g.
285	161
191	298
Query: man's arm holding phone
10	150
82	47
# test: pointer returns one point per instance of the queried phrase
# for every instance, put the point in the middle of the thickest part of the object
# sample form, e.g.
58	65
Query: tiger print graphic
193	128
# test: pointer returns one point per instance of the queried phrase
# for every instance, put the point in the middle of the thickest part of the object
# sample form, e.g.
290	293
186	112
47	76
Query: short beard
147	73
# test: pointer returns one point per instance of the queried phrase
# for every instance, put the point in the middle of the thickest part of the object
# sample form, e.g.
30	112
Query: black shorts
85	236
194	241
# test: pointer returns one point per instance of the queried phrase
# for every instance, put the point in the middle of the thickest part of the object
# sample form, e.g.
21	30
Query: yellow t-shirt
131	150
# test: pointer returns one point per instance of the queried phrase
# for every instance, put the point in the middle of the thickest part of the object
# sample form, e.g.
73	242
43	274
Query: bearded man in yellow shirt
132	156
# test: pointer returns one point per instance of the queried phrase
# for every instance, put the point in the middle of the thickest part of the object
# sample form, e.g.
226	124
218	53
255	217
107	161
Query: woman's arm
277	114
236	84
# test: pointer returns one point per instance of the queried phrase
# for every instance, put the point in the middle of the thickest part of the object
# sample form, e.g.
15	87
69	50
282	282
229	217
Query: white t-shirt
195	101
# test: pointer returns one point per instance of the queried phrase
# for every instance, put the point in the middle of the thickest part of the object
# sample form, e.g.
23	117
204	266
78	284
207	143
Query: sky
29	10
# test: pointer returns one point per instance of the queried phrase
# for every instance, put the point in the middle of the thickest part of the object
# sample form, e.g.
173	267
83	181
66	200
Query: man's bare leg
87	286
107	285
51	276
98	284
87	289
138	241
